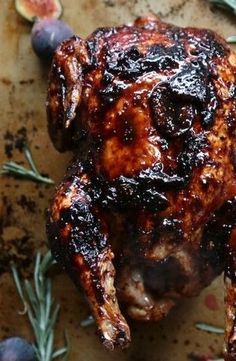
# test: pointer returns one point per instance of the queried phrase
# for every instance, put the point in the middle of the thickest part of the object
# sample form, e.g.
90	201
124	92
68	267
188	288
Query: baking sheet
23	80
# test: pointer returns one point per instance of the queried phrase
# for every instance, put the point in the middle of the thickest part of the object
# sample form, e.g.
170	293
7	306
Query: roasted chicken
146	213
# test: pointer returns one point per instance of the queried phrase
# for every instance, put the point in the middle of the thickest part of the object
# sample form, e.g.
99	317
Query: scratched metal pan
22	117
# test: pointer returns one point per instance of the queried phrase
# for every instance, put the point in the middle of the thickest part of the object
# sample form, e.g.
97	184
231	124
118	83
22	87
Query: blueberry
47	34
16	349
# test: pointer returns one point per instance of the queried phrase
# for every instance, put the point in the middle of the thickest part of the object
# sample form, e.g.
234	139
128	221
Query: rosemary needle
12	168
231	39
40	308
208	328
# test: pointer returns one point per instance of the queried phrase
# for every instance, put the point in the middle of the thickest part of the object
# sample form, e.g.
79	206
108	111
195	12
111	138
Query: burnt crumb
5	332
6	81
18	249
15	141
109	3
16	243
27	204
40	194
5	329
21	139
8	136
9	150
27	81
8	210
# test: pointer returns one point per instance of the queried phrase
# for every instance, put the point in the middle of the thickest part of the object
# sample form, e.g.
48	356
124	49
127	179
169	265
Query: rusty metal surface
23	81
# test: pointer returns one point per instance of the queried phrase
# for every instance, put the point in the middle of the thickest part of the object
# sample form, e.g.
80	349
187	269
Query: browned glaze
155	105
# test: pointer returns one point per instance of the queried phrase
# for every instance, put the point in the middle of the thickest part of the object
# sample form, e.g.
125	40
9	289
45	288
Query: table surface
23	82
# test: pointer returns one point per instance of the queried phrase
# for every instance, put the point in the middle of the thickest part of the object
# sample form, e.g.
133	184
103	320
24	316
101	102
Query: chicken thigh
146	213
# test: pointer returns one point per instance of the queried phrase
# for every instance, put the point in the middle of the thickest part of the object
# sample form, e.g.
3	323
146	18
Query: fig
31	9
16	349
47	34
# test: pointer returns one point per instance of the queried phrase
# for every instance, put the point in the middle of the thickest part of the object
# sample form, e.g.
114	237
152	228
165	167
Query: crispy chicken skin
146	213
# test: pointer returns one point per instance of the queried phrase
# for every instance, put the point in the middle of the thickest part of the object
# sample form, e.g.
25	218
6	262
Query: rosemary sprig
229	5
14	169
208	328
40	308
231	39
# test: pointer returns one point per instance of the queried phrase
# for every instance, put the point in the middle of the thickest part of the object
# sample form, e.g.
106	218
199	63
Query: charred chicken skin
146	213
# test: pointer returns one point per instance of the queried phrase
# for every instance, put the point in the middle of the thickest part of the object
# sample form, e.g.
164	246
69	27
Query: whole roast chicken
146	213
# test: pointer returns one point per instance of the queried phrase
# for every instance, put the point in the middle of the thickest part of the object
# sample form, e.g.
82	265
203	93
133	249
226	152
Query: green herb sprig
40	308
208	328
231	39
14	169
229	5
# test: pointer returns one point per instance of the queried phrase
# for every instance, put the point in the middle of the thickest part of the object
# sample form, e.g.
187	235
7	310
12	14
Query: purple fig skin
47	34
16	349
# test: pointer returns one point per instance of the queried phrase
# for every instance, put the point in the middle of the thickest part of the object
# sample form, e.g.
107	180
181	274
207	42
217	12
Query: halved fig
31	9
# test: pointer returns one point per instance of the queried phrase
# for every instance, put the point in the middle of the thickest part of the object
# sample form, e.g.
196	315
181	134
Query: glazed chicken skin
146	212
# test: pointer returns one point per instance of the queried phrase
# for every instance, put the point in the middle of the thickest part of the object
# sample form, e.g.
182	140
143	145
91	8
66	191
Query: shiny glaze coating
155	106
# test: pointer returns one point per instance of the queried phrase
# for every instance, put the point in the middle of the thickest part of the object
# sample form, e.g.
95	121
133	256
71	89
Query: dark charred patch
190	83
107	78
167	58
215	239
208	108
143	191
130	64
126	193
156	176
92	47
84	237
193	155
110	94
172	117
